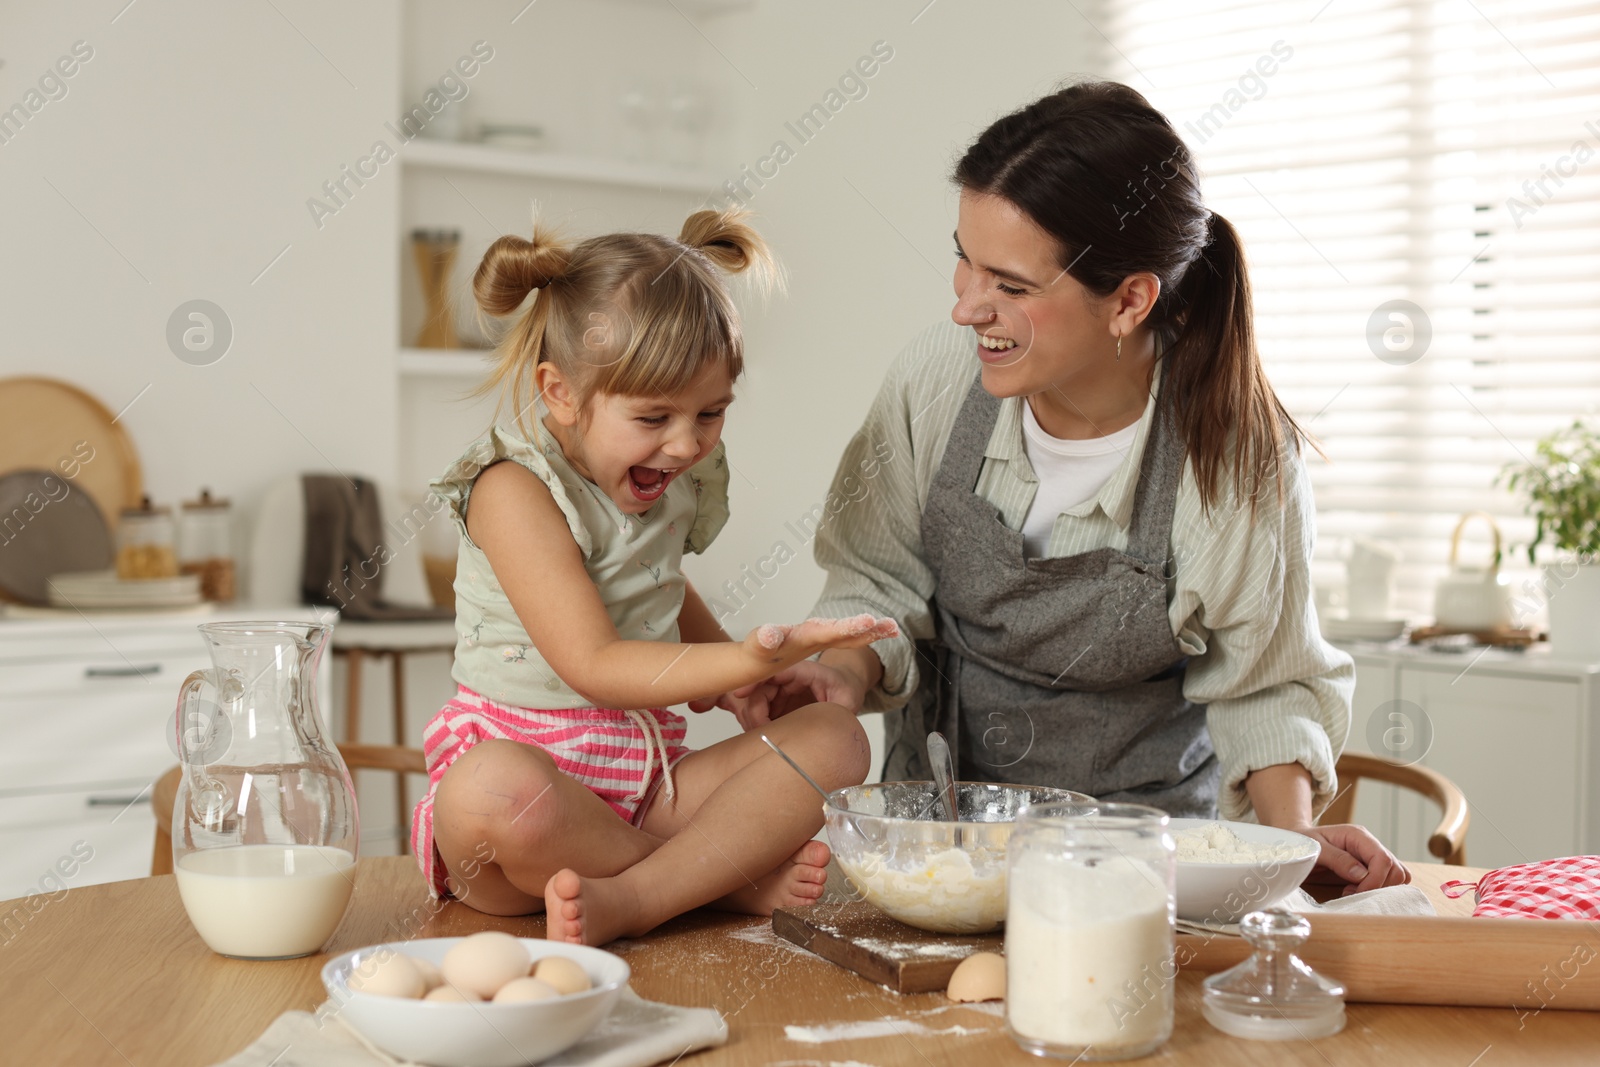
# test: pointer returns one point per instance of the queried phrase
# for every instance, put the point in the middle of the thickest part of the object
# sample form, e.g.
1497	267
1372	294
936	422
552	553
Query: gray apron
1060	672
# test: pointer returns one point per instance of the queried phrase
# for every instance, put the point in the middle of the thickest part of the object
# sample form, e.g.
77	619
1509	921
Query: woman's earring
1119	349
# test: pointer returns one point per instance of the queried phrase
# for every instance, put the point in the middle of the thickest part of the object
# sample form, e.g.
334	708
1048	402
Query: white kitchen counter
86	702
1519	732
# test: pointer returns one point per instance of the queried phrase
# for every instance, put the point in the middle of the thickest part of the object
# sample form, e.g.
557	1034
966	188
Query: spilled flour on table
821	1063
997	1008
760	933
901	949
870	1028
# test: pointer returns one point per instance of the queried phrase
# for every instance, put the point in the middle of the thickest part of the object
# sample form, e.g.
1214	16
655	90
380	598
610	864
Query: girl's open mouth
648	483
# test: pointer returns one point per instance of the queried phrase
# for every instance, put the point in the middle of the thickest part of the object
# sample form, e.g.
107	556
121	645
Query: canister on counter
145	543
1089	931
205	545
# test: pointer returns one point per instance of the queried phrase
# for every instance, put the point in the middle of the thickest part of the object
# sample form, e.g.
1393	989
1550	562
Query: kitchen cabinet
1517	731
86	703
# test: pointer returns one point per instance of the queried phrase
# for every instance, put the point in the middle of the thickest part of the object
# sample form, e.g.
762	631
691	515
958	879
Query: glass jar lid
147	510
1273	995
206	503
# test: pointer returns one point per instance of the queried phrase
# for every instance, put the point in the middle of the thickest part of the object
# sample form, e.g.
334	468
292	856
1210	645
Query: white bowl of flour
1226	869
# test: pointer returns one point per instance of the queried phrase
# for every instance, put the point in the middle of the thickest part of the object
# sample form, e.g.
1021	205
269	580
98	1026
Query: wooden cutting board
859	937
1526	965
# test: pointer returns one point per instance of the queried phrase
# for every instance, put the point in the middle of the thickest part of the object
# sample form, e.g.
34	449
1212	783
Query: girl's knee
495	788
836	743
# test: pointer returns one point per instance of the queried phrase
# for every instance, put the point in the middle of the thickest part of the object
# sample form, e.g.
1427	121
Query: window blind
1440	153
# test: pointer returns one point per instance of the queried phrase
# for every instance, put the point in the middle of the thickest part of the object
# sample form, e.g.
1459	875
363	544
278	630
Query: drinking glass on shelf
689	112
641	111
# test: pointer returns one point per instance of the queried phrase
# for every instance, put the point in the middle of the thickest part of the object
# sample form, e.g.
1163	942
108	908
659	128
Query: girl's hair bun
514	266
727	239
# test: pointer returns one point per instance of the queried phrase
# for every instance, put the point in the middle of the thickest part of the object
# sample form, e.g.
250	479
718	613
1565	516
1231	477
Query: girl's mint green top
634	561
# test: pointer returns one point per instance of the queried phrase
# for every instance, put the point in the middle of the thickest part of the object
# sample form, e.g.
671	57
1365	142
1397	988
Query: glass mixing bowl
902	856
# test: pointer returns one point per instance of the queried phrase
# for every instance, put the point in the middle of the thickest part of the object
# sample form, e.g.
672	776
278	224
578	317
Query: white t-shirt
1069	473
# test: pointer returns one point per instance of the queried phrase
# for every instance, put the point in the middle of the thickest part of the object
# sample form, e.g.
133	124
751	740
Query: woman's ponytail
1215	375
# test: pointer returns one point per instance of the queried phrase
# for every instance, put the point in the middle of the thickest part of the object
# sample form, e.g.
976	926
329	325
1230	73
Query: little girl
558	779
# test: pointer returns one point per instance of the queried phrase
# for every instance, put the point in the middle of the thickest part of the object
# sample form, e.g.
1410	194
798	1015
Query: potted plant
1563	489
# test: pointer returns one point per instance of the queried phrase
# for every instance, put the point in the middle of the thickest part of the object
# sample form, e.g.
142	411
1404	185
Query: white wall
193	138
862	217
184	152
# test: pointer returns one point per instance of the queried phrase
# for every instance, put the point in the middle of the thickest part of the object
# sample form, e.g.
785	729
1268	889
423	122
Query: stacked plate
1339	628
100	590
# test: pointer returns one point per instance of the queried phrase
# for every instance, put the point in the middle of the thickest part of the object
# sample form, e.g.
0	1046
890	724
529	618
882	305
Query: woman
1087	507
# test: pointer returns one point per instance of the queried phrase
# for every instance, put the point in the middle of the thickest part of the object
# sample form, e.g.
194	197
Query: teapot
1474	599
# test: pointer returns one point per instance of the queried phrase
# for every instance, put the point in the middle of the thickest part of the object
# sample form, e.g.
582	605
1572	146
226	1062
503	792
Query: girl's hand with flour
780	646
801	681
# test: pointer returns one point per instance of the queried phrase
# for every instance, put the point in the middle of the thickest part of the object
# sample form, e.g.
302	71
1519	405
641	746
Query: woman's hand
837	676
1353	857
807	682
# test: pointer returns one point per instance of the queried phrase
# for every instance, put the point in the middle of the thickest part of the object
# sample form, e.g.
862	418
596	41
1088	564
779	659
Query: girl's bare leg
506	820
740	817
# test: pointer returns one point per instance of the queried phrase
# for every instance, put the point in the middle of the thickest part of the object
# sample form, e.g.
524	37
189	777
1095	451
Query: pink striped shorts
621	756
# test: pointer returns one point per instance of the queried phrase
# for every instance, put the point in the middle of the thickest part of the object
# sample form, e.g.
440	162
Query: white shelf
445	362
486	159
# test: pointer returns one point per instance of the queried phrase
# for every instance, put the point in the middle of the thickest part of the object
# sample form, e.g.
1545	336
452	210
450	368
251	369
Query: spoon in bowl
812	782
944	778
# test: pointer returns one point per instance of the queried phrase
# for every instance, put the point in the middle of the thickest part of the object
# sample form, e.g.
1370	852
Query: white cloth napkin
637	1033
1390	900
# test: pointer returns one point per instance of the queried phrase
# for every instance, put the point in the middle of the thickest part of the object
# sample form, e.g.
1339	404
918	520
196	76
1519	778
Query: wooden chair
357	757
1448	840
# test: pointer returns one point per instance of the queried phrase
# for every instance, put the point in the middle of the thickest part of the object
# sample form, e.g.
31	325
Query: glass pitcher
264	829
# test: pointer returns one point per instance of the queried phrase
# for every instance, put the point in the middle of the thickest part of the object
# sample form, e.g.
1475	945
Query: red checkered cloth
1567	888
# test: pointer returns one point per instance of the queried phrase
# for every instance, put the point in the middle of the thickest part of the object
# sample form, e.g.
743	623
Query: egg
567	976
388	974
484	962
981	976
522	989
450	994
432	977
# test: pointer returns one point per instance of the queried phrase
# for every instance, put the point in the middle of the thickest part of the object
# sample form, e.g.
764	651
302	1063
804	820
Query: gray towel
345	552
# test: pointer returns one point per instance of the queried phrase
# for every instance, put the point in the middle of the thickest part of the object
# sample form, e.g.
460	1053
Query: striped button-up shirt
1240	605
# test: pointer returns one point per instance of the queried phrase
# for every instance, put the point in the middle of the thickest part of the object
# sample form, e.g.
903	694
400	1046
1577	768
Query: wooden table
114	974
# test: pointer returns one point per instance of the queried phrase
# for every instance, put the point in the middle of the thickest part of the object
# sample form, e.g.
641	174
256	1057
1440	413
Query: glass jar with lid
146	545
1090	967
205	545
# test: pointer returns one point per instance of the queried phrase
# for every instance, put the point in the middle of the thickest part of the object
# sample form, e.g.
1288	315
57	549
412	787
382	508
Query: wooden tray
52	425
860	938
1498	638
1527	965
1523	964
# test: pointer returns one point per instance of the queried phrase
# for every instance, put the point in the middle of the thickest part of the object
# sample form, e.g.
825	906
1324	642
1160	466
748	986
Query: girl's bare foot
591	911
798	881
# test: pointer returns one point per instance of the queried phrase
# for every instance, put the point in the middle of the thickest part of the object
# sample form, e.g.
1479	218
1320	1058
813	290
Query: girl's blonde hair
634	314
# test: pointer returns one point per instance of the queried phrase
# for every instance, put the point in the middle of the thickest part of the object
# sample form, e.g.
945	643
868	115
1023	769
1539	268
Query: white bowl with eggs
1268	867
376	996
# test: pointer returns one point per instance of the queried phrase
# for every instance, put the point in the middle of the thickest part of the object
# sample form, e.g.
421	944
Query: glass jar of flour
1089	931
